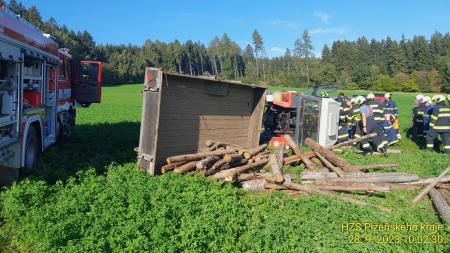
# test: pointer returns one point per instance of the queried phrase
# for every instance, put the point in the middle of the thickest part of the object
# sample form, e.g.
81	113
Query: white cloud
324	17
278	49
285	23
331	30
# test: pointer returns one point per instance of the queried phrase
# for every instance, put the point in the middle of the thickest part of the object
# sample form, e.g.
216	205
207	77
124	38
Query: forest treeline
411	64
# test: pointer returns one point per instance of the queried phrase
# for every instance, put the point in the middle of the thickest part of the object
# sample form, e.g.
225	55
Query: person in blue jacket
428	111
391	112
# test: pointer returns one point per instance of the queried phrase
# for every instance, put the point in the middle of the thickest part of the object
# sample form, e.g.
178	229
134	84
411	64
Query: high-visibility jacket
378	112
440	118
354	116
390	107
420	112
428	111
343	113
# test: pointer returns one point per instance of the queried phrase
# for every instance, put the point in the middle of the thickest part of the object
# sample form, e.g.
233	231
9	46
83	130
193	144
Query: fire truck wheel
59	131
31	151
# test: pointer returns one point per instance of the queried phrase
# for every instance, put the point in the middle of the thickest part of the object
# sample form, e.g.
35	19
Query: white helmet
387	95
419	97
360	100
426	99
370	96
353	100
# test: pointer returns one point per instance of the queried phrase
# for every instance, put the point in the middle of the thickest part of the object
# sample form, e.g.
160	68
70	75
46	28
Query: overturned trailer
181	112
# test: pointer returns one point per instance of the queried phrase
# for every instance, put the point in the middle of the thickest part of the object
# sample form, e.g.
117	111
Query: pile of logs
324	172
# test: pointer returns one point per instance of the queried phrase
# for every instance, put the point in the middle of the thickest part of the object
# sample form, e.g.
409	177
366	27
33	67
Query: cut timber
197	156
253	185
253	151
170	167
185	167
276	169
215	167
232	158
265	176
445	194
351	187
429	180
206	162
337	170
329	155
378	178
443	186
308	163
441	206
377	166
313	175
231	173
430	186
353	141
389	151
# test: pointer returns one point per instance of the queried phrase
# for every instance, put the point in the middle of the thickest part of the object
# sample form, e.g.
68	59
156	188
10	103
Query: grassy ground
88	197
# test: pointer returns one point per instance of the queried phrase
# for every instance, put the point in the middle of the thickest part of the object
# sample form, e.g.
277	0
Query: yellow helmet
438	98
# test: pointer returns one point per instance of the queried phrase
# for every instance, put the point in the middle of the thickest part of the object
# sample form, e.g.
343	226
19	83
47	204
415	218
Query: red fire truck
40	86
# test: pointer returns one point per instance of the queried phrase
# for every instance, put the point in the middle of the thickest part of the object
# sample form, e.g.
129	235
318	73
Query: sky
279	22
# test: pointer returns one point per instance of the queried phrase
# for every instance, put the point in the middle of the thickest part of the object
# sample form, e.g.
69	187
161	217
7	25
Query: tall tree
258	47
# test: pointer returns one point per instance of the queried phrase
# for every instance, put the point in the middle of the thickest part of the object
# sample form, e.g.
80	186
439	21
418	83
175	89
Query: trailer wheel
31	151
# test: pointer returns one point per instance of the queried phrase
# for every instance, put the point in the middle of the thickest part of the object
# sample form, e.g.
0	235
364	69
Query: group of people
363	115
431	121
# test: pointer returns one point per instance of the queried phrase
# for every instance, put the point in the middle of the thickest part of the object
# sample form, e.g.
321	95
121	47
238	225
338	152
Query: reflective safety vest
390	107
378	112
440	118
354	116
343	112
420	113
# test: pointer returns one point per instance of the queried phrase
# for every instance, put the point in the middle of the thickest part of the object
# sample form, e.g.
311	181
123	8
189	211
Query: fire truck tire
71	121
59	132
31	151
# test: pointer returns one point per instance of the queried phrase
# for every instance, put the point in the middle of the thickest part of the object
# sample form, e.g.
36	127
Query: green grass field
88	196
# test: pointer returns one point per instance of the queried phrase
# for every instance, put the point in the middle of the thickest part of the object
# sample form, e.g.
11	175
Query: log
206	162
389	151
308	163
329	155
443	186
253	151
351	187
215	167
445	194
429	180
380	178
232	158
313	175
351	142
430	186
377	166
337	170
170	167
185	167
197	156
253	185
440	205
231	173
310	190
259	157
276	170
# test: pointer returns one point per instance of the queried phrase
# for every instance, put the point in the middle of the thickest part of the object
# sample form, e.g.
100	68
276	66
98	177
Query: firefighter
391	113
343	131
324	94
378	115
341	98
368	125
428	108
439	124
417	125
353	119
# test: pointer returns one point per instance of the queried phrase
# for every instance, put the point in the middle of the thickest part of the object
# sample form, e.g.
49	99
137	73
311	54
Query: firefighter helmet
439	98
324	94
360	100
353	100
370	96
426	99
419	97
387	95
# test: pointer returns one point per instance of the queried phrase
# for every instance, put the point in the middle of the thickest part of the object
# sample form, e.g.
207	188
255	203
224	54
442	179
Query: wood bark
253	151
377	166
197	156
443	186
375	179
445	194
236	171
215	167
351	187
186	167
308	163
337	170
232	158
206	162
170	167
276	170
430	186
429	180
440	205
329	155
351	142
